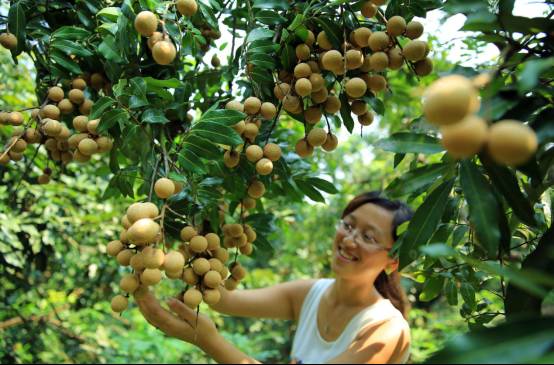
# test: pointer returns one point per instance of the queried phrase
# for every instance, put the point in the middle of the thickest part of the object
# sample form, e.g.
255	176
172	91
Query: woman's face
362	243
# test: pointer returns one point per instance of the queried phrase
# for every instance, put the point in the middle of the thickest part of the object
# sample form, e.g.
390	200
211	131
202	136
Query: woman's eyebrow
371	226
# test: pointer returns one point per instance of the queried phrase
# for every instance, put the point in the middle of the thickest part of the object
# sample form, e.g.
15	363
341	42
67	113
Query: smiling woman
357	317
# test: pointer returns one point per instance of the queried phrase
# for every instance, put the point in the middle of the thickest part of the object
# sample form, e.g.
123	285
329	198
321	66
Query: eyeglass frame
356	235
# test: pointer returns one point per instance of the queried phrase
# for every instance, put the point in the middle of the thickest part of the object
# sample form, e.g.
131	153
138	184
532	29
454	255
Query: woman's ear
392	266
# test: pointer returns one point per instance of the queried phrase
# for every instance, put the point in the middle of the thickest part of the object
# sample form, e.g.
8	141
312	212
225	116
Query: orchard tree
198	144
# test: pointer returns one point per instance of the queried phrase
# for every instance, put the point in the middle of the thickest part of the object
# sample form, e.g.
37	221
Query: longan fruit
125	222
248	203
415	50
359	107
361	36
55	93
78	83
310	38
285	76
268	111
252	105
264	166
174	274
79	157
164	188
234	230
137	261
215	61
396	59
189	276
66	106
414	29
76	96
114	247
323	41
164	52
138	211
319	97
254	153
449	100
250	233
146	23
67	157
424	67
143	231
221	254
313	115
50	111
291	102
331	143
378	41
354	59
239	127
129	283
281	90
377	83
303	52
332	104
256	189
187	233
356	87
192	298
231	284
8	41
173	261
88	147
119	303
366	119
5	159
153	257
33	136
86	107
272	151
64	134
198	244
80	123
303	87
317	81
151	277
231	159
466	138
43	179
238	272
187	7
211	296
155	38
317	137
124	257
105	144
212	279
332	60
247	249
51	127
201	266
379	61
369	10
302	70
213	241
511	142
15	118
303	148
251	131
396	26
15	156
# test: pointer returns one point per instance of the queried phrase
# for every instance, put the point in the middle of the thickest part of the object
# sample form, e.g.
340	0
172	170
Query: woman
356	318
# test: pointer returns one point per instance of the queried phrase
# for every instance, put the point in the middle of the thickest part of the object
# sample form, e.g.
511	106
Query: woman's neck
353	293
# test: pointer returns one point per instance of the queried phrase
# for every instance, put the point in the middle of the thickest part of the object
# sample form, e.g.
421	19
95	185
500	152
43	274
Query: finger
183	311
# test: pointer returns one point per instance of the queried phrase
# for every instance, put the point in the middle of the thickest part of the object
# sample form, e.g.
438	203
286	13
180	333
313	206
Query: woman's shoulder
299	290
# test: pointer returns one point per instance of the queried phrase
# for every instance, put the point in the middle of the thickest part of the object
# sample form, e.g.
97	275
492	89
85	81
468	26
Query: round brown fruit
153	257
281	90
189	276
378	41
66	106
303	87
238	272
174	261
268	111
396	26
43	179
146	23
88	147
424	67
213	241
511	142
317	137
331	143
143	231
272	151
164	188
313	115
51	127
105	144
212	279
332	60
323	41
80	123
369	10
449	100
164	52
359	107
187	7
129	283
302	70
252	105
356	87
198	244
414	30
124	257
55	93
256	190
366	119
192	298
231	159
332	104
119	303
303	148
114	247
264	166
319	97
466	138
187	233
396	60
235	105
50	111
76	96
379	61
361	36
415	50
303	52
8	41
354	59
377	83
201	266
231	284
211	296
151	277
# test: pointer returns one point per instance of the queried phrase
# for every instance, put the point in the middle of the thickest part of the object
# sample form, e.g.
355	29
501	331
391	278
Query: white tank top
310	348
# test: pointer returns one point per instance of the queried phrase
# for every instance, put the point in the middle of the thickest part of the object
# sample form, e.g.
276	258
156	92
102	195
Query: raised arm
281	301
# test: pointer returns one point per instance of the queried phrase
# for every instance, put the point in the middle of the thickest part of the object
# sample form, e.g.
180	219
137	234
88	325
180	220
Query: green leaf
432	288
71	48
468	293
224	117
152	83
259	33
263	60
531	73
270	17
217	133
333	32
345	113
100	106
483	206
506	182
154	116
297	22
424	222
16	25
405	142
451	292
111	13
288	57
271	4
310	191
323	185
71	33
523	341
66	63
113	117
417	179
202	147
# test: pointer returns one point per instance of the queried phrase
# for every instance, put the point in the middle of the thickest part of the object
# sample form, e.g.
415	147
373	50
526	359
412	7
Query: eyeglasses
362	238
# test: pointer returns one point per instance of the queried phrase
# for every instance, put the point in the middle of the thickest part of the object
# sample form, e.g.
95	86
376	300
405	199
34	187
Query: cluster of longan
8	41
451	103
249	130
161	45
20	138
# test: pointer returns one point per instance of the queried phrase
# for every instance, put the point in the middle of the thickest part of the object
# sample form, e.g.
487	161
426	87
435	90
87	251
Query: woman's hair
387	285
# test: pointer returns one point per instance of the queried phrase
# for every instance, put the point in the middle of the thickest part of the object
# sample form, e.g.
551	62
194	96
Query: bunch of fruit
451	103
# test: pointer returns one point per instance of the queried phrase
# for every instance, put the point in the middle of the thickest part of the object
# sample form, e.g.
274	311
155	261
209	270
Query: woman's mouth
345	256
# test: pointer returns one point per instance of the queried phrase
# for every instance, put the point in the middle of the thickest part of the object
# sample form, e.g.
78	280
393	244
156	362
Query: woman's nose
348	241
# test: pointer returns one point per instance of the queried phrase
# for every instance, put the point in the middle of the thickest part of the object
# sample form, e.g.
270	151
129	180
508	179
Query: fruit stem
153	180
279	109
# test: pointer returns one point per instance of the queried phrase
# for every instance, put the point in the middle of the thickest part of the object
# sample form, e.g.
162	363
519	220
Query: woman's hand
183	323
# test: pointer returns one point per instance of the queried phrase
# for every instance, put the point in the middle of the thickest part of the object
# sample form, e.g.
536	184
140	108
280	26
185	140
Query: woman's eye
369	238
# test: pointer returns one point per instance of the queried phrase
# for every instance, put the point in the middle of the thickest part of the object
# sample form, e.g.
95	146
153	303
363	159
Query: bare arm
281	301
384	343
